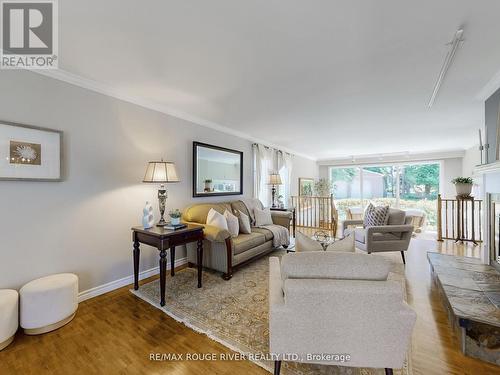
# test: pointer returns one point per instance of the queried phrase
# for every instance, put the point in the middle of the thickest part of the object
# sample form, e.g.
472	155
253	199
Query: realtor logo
29	34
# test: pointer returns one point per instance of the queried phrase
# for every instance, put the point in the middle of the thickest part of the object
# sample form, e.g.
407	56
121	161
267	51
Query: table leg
293	222
136	253
163	278
199	260
172	261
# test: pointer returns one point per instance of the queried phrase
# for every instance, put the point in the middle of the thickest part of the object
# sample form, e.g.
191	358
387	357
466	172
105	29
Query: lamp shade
275	179
161	172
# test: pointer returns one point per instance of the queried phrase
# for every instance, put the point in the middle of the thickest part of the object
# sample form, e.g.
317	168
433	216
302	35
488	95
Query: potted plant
463	186
208	185
175	216
323	187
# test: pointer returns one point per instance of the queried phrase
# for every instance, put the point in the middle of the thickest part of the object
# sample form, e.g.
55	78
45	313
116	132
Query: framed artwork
29	153
216	171
306	186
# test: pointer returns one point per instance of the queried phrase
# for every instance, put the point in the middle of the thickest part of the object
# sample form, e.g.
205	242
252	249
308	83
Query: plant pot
175	220
463	190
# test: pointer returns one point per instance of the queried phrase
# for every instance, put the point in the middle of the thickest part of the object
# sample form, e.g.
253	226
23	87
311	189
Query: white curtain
285	165
263	166
266	161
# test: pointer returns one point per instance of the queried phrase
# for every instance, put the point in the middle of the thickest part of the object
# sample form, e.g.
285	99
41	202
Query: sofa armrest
281	218
212	233
389	229
352	222
276	297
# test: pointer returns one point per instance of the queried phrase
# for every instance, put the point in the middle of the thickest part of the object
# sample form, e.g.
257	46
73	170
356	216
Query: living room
264	138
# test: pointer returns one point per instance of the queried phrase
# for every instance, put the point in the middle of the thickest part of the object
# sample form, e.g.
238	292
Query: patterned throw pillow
376	216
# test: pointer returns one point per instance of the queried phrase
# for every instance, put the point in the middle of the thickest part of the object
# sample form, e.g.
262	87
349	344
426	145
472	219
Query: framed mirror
216	171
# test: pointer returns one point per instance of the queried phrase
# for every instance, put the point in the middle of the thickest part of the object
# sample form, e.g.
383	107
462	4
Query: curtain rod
272	148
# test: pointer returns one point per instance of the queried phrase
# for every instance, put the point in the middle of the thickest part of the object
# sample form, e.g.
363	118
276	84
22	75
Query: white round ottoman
9	316
48	303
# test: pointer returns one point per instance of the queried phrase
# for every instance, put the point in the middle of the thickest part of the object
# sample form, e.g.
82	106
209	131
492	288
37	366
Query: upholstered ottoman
48	303
9	316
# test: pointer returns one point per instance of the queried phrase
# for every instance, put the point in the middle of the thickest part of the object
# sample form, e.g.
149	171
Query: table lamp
274	180
161	172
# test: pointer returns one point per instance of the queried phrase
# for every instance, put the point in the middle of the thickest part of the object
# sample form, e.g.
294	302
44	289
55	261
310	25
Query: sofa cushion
216	219
247	241
376	216
262	217
266	232
233	225
396	217
244	222
198	212
240	206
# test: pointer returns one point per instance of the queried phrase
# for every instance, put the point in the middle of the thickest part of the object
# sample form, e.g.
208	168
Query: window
412	186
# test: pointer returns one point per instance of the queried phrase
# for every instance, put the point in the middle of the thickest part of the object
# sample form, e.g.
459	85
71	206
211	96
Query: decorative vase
463	190
175	220
147	217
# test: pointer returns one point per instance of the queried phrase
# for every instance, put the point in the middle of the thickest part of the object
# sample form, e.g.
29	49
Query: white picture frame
30	153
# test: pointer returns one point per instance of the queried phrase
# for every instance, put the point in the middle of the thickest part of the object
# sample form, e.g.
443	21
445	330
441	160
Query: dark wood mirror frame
195	169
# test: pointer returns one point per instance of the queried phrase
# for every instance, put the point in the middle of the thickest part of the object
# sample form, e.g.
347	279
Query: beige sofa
220	251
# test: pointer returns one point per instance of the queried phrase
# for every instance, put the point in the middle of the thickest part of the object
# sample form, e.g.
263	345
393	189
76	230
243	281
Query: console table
164	239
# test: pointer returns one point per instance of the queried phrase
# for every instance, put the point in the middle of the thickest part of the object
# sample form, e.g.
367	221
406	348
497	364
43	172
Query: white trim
490	88
381	159
107	90
108	287
487	168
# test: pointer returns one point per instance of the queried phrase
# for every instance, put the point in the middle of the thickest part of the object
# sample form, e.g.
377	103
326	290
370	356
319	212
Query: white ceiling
325	78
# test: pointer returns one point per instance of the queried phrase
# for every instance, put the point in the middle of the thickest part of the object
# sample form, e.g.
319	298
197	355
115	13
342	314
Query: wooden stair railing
459	219
316	212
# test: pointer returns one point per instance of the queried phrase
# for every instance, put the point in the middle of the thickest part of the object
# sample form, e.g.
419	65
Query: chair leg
277	367
403	256
388	371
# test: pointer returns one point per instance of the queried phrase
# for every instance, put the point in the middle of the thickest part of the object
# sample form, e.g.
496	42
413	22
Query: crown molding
490	88
89	84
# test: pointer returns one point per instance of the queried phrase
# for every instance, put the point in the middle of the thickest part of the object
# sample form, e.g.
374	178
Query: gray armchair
321	302
395	236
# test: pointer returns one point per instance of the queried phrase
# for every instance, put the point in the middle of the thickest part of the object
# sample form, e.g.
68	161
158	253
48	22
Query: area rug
235	312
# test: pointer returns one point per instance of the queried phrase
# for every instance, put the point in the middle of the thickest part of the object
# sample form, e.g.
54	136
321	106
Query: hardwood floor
115	334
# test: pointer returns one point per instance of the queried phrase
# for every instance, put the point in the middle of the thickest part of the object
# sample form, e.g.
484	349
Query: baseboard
108	287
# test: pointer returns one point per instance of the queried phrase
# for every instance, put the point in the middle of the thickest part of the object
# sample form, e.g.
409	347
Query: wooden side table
292	210
164	239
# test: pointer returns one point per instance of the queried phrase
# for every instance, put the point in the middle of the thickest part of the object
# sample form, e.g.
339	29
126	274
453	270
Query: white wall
451	168
302	167
323	171
82	224
471	158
